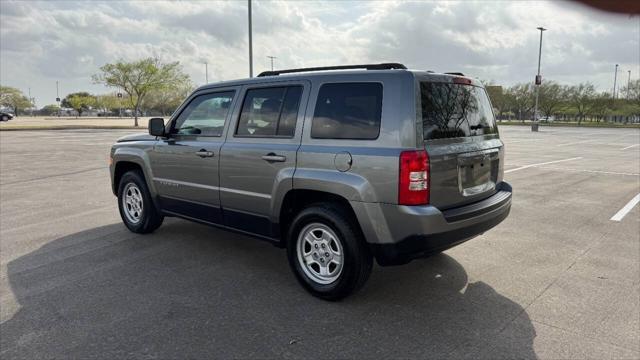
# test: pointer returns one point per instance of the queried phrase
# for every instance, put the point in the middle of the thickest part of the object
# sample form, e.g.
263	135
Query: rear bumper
408	232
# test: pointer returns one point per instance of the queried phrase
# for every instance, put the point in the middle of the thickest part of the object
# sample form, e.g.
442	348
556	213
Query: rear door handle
204	153
272	157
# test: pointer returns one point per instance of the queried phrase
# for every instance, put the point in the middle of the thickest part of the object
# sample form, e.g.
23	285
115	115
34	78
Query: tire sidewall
347	239
148	206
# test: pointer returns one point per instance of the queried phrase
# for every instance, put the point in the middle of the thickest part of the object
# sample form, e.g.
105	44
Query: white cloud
41	42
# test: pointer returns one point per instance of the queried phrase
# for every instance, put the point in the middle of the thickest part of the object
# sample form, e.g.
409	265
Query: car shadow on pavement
191	291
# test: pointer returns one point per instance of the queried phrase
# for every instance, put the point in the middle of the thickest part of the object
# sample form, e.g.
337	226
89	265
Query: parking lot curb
69	127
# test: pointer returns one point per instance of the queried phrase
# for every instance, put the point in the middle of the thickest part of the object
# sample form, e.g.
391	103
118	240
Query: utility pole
538	82
615	78
271	58
250	44
206	72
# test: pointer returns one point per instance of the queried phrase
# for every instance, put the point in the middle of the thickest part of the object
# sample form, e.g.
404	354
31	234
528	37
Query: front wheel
327	252
5	118
137	210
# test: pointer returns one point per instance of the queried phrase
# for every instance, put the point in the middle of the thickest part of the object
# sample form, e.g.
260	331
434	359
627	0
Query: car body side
370	185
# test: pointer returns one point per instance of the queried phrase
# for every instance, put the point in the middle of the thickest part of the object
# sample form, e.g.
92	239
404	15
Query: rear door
258	158
461	137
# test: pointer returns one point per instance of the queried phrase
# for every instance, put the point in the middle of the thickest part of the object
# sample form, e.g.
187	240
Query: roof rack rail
383	66
455	73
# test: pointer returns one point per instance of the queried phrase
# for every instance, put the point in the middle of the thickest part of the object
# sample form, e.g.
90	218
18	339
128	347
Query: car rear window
348	111
451	110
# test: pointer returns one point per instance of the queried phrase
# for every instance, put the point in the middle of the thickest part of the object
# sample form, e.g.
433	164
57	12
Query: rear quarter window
451	110
348	111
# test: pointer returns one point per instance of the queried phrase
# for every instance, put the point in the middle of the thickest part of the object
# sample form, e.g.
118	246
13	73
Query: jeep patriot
339	165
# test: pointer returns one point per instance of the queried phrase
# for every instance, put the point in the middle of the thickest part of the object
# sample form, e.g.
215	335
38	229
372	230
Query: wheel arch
296	200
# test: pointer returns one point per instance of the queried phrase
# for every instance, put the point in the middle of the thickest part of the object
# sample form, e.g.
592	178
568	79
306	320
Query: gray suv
339	165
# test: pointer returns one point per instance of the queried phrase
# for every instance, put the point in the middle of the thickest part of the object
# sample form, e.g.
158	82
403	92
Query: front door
259	157
185	163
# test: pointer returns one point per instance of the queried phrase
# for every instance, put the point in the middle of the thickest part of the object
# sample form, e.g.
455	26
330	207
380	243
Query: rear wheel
327	252
5	118
137	210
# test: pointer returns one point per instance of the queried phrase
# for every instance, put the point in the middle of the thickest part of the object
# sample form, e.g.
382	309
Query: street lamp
271	58
206	72
534	125
615	78
58	98
629	85
250	44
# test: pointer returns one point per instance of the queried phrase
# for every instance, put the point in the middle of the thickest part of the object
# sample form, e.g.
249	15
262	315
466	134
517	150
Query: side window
205	115
348	111
270	112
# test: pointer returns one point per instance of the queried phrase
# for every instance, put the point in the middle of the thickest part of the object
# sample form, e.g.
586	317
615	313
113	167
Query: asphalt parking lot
558	279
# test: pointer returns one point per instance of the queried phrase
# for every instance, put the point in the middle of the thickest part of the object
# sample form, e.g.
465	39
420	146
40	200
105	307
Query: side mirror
156	126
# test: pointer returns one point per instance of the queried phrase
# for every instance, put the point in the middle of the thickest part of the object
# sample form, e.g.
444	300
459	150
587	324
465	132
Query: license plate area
477	172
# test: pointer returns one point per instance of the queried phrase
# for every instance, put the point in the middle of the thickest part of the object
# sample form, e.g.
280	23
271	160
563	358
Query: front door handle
272	157
204	153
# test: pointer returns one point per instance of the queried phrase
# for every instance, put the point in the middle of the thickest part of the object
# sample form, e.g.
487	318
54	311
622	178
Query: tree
521	99
498	98
166	101
50	109
139	78
13	98
631	92
550	98
581	98
107	102
601	105
65	102
81	102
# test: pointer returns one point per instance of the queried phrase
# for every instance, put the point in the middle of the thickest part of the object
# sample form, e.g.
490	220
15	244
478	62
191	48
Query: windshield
452	110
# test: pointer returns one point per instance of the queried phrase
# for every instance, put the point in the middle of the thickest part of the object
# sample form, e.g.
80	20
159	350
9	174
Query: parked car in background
5	116
338	167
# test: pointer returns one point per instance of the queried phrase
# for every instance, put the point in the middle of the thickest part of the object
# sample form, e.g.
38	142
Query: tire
328	225
5	118
137	210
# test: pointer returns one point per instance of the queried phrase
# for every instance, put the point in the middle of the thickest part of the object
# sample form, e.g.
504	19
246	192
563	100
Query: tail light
413	188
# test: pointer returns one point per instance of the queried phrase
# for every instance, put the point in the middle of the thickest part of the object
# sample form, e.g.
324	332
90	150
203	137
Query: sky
45	42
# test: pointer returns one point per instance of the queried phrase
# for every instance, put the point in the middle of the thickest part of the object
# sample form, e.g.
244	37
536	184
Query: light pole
206	72
30	103
615	79
538	82
271	58
629	85
250	44
58	98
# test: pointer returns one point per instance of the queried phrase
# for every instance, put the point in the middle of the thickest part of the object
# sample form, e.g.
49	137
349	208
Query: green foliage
581	98
166	101
566	103
550	97
108	102
50	109
65	102
13	98
81	102
139	78
521	100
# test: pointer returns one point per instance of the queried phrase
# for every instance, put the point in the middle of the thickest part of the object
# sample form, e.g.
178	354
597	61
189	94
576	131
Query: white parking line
519	141
629	147
589	171
544	163
577	142
626	209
